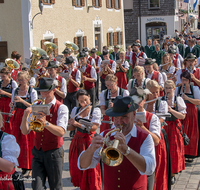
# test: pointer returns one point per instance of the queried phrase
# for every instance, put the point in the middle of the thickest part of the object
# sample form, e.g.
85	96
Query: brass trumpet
111	156
35	124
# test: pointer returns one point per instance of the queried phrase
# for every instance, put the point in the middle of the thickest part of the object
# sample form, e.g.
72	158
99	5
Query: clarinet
183	90
110	118
10	114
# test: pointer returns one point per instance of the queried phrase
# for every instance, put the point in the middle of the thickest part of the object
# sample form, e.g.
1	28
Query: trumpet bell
36	126
71	45
112	156
12	64
37	51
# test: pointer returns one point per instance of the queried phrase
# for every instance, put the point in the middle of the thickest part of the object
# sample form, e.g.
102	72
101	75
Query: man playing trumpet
136	145
48	151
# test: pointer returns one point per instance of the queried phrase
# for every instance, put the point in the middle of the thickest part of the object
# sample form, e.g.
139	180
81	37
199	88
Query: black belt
81	130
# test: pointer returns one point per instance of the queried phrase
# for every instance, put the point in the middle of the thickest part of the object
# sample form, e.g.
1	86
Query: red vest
148	118
14	74
70	87
110	66
155	77
134	57
87	73
89	60
176	56
56	95
175	62
96	60
19	65
45	139
195	73
126	176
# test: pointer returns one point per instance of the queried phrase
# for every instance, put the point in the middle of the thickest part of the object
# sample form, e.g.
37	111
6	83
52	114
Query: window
110	4
1	1
3	51
80	41
97	3
117	4
110	39
48	2
154	4
119	38
78	3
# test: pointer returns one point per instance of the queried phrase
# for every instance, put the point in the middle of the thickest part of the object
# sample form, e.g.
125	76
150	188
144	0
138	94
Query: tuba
35	124
36	54
11	64
72	46
50	47
111	156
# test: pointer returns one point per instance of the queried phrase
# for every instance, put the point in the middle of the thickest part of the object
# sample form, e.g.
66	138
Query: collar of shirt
192	70
150	75
132	133
54	77
138	54
191	48
157	52
53	102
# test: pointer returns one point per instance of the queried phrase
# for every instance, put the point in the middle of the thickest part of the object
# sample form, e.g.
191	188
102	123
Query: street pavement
186	180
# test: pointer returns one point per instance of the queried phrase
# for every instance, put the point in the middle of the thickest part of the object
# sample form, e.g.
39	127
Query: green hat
51	64
121	106
66	51
190	56
178	39
116	46
149	61
135	44
46	84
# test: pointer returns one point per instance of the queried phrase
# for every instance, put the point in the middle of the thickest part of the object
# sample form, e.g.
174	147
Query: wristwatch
47	124
127	151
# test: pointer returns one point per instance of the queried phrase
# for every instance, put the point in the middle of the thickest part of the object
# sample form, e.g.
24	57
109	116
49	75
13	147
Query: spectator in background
141	47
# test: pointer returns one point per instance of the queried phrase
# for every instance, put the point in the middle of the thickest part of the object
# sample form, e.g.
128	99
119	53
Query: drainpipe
140	20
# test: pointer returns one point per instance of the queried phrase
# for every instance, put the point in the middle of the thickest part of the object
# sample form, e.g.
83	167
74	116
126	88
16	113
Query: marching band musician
136	54
176	62
89	76
135	144
61	90
139	78
162	151
22	97
191	96
177	108
189	65
67	52
48	151
7	84
121	70
9	153
90	60
106	101
110	68
89	179
98	61
154	75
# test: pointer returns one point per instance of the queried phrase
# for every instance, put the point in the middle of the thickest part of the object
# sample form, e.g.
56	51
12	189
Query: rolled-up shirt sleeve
63	114
93	73
78	77
147	151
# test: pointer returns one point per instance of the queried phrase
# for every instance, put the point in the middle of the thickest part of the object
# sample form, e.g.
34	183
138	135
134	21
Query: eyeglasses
109	85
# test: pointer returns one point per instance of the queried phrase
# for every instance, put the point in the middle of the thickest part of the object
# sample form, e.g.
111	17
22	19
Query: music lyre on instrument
111	155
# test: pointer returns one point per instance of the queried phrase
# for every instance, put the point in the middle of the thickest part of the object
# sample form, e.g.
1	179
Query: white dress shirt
92	72
102	96
160	78
137	55
10	149
147	151
113	68
144	83
64	85
196	92
93	62
99	61
34	95
96	115
77	77
125	64
75	62
164	76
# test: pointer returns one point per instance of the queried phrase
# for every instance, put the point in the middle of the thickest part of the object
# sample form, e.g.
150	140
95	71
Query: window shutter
3	51
108	39
73	2
82	3
84	41
53	1
107	4
119	4
55	41
100	3
113	3
121	36
115	38
93	3
42	44
2	1
76	42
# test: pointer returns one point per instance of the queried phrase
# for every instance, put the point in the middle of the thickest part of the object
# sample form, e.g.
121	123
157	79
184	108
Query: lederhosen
105	126
173	133
26	142
4	106
190	124
87	179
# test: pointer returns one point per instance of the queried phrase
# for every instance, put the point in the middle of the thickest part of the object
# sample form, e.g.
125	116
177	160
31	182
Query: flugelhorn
111	155
35	124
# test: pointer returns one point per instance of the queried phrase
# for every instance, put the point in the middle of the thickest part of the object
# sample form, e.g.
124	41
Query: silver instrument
183	90
82	110
87	124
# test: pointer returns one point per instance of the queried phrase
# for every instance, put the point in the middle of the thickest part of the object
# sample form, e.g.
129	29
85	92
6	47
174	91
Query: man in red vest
135	144
98	61
66	53
48	151
88	75
90	59
61	90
